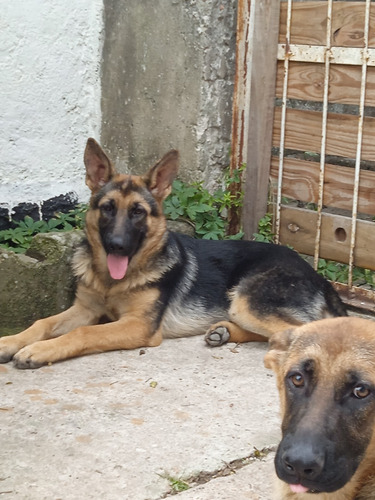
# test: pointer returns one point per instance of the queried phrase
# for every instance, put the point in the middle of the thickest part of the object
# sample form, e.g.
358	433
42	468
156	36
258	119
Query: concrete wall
168	70
50	96
140	76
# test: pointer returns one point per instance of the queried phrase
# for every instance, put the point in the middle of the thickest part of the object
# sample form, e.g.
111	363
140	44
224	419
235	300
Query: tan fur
337	346
241	314
245	322
237	334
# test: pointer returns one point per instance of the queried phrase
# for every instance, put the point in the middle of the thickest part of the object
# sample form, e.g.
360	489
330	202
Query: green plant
18	239
178	485
233	198
265	233
205	210
336	271
73	219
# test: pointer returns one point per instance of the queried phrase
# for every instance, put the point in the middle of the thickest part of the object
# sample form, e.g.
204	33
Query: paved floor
125	425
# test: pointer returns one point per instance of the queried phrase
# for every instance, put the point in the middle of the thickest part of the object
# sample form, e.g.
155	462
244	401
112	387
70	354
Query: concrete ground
130	425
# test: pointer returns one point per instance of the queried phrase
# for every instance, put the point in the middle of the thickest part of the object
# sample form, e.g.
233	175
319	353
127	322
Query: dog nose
304	463
116	244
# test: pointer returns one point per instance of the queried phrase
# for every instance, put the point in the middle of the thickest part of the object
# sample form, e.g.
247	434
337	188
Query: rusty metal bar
283	123
324	134
241	104
352	56
241	95
357	169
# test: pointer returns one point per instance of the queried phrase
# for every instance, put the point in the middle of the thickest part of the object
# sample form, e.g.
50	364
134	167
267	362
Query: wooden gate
308	130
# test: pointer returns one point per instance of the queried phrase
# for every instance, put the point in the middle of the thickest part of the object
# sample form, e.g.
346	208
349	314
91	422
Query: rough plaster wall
167	81
217	20
50	96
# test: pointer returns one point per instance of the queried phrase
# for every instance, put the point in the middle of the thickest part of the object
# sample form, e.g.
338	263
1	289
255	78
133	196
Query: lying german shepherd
326	378
151	283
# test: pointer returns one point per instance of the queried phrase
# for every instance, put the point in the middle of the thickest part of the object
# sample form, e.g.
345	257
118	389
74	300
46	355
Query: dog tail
335	306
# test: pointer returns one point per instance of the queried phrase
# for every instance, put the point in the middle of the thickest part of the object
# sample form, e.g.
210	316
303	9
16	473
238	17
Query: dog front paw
8	348
29	357
217	336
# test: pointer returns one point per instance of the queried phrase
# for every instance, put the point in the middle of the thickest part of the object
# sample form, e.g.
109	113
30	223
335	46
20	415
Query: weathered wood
301	182
264	23
241	99
357	297
309	24
298	227
303	132
306	82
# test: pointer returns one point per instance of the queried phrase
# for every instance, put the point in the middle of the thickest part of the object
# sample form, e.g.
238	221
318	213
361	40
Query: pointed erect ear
278	346
160	177
99	169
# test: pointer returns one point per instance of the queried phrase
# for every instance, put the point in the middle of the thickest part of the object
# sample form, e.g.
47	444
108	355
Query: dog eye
361	391
297	380
138	210
107	207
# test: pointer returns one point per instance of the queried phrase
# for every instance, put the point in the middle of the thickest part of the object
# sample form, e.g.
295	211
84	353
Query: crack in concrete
227	469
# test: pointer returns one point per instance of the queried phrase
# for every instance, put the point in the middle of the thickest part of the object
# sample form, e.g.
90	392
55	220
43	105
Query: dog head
124	208
326	378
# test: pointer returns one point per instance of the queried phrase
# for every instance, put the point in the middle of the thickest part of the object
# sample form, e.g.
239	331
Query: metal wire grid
329	55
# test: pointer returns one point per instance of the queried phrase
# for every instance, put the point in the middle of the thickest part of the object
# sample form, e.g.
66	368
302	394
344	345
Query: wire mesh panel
323	146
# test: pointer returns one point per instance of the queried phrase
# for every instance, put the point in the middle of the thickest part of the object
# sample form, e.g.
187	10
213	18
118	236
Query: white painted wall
49	96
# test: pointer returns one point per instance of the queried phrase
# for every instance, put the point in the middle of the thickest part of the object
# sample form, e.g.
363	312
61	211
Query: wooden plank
303	133
357	297
263	26
298	228
309	24
306	82
301	182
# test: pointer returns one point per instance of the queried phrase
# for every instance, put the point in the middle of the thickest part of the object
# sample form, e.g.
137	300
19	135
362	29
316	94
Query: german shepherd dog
326	378
151	284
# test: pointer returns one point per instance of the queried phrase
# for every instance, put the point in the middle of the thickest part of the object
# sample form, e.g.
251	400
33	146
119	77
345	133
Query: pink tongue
298	488
117	266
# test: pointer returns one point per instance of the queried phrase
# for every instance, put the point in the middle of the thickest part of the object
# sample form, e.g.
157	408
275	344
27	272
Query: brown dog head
125	210
326	378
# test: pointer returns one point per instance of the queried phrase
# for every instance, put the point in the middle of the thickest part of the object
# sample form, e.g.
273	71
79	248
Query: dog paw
5	357
219	335
28	358
7	349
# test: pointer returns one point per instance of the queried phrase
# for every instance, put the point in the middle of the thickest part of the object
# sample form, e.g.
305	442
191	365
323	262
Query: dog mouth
299	488
324	483
117	265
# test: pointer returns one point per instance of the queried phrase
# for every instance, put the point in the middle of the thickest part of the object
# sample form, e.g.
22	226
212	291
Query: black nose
303	461
116	244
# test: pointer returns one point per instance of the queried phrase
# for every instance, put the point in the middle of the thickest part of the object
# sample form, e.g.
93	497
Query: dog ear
160	177
278	345
99	169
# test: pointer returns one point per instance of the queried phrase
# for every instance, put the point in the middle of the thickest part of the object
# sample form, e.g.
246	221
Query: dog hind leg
245	325
226	331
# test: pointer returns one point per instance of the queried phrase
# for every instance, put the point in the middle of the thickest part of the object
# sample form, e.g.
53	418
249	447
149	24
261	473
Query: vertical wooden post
260	63
240	109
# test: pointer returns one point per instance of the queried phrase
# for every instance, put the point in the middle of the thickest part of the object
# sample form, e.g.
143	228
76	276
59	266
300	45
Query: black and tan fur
326	378
174	285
